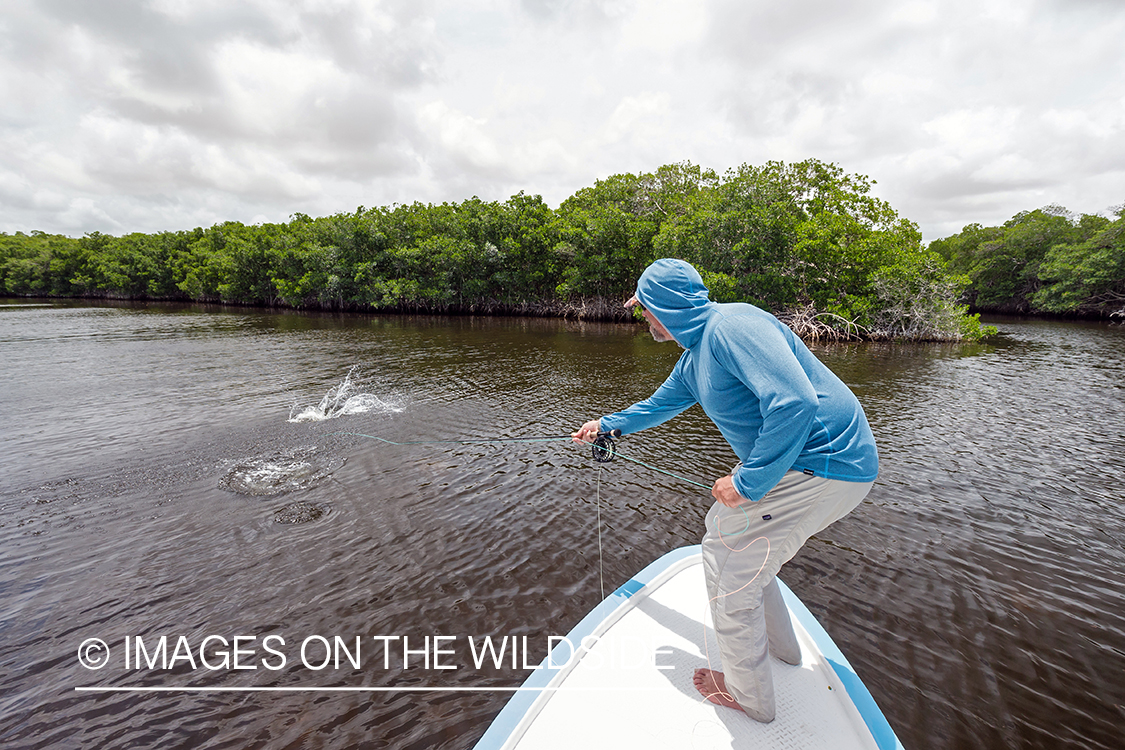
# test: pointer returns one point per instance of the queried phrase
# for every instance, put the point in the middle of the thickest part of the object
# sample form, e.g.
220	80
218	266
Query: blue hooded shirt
780	408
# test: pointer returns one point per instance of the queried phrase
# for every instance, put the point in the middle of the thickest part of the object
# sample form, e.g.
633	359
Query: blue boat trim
877	724
629	588
514	711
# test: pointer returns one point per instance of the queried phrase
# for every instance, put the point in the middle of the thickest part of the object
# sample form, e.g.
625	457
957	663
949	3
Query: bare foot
713	686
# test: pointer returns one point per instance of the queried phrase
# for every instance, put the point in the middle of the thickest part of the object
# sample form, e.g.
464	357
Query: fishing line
604	450
459	442
720	692
601	567
618	454
480	441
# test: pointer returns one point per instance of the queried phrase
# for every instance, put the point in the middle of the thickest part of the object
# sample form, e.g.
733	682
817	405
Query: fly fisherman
807	457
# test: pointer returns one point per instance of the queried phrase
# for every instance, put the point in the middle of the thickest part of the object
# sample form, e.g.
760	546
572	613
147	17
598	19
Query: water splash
342	400
280	472
300	512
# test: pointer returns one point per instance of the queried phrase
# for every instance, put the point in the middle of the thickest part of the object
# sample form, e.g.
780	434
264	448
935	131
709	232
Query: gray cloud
154	100
126	115
957	108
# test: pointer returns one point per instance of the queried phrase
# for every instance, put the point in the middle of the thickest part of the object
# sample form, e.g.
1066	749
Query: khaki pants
743	550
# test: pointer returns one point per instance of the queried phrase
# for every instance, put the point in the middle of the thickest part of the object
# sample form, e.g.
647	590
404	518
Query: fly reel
604	448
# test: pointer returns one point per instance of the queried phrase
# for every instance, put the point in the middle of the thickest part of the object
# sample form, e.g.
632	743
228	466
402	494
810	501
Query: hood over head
674	292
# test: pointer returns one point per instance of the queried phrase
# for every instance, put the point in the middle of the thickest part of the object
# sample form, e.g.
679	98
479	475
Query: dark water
151	484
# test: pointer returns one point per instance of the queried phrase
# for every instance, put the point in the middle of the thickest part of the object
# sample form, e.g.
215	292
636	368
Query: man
807	457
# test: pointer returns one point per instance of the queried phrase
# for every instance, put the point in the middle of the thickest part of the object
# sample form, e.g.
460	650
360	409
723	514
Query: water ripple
977	589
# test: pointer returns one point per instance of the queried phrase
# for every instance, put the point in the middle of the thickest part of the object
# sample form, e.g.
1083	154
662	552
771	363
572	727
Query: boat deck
631	682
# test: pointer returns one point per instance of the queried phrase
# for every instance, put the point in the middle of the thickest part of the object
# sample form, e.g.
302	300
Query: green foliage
802	236
40	263
721	287
1045	260
604	243
972	330
207	263
1087	276
806	236
916	299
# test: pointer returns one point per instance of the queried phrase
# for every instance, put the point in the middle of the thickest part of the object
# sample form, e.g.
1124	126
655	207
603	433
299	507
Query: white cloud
1011	169
664	26
639	118
83	212
463	138
15	190
967	133
1095	124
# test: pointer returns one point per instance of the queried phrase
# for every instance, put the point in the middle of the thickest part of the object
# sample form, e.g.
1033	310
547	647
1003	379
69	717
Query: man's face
659	332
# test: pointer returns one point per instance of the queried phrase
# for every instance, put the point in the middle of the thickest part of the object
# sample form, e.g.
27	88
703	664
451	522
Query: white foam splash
279	472
342	400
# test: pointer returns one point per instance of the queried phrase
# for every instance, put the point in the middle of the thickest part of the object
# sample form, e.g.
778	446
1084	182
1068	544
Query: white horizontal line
349	689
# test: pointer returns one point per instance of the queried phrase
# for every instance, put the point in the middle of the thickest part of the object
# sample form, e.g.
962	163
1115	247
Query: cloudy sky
145	115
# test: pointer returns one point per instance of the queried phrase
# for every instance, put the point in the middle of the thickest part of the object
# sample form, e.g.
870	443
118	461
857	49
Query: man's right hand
587	432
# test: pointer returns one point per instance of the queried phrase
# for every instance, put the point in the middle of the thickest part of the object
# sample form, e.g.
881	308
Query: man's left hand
587	432
724	491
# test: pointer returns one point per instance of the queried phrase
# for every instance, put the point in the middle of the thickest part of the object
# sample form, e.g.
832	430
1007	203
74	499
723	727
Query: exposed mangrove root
923	318
591	308
809	325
